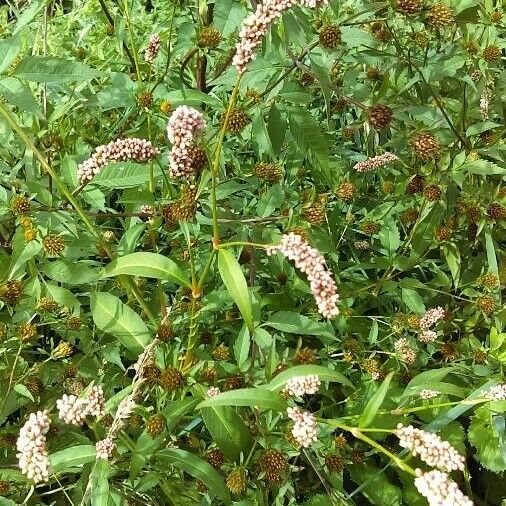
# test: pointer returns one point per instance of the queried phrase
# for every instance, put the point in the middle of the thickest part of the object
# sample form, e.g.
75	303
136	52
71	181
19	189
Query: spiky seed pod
306	79
54	244
4	487
488	137
305	356
388	186
316	213
237	121
233	383
373	74
145	99
19	206
426	146
496	17
471	47
135	421
209	37
70	371
410	216
165	106
415	184
198	158
3	332
47	304
208	375
74	323
164	332
334	463
409	6
349	133
382	34
486	304
340	441
63	350
215	457
221	353
433	193
152	374
270	172
491	54
346	191
30	234
421	40
440	15
480	356
330	37
413	321
490	280
357	456
380	116
444	233
171	379
34	385
27	332
449	351
370	227
370	366
253	96
155	425
236	480
496	211
273	463
472	212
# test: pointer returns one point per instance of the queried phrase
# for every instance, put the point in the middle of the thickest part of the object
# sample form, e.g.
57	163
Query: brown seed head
236	480
409	6
330	37
171	379
215	457
209	37
346	191
380	116
487	304
54	244
155	425
237	121
492	54
305	356
221	353
426	146
270	172
433	193
440	15
334	463
19	205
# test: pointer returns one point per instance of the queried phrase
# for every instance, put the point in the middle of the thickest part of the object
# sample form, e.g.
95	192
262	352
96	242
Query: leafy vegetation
252	263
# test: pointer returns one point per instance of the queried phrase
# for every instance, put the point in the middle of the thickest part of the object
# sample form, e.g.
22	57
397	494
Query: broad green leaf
295	323
174	411
389	236
20	257
199	469
260	397
301	370
19	95
227	430
50	69
112	316
100	483
234	280
9	48
242	346
413	300
72	458
128	242
374	404
147	265
70	273
124	175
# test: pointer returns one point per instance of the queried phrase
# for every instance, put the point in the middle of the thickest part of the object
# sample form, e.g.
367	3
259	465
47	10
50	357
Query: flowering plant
250	253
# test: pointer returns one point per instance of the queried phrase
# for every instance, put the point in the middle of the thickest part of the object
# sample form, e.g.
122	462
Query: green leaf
301	370
486	434
72	458
49	69
452	256
413	300
227	430
23	391
70	273
9	49
234	280
112	316
199	469
147	265
174	411
19	95
374	404
100	483
124	175
260	397
389	236
242	346
295	323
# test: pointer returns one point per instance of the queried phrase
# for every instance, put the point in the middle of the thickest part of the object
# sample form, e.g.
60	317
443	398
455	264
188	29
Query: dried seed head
415	184
305	356
409	6
47	304
209	37
20	205
433	193
145	99
316	214
492	53
221	353
426	146
380	116
54	244
334	463
155	425
440	15
11	291
270	172
370	227
165	332
330	37
487	304
171	379
63	350
27	332
496	211
237	480
346	191
215	457
238	119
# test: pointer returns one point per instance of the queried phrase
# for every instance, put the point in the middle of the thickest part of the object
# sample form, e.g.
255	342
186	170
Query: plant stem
241	243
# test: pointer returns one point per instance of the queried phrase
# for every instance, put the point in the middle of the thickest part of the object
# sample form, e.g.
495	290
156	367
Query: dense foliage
252	263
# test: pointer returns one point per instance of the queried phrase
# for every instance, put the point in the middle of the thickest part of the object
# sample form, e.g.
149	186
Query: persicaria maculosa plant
251	252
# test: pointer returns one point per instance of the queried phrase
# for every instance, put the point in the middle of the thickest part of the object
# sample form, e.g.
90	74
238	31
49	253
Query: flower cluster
120	150
430	448
256	25
439	490
184	124
302	385
31	447
427	394
485	99
496	393
154	45
73	410
427	336
104	448
213	391
304	430
431	317
310	261
375	162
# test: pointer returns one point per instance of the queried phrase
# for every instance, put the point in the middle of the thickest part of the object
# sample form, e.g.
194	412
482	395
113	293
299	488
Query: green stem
132	43
241	243
203	276
216	163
